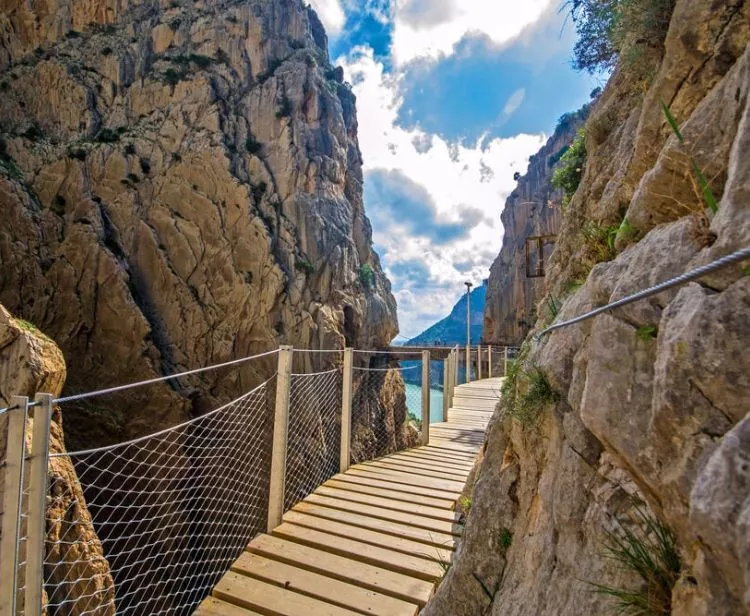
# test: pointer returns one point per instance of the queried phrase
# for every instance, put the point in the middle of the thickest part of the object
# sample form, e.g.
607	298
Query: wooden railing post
280	435
12	498
489	362
425	397
37	509
446	385
346	410
468	364
505	362
479	363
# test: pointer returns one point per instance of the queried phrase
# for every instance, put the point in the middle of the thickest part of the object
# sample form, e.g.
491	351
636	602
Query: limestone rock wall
532	209
180	185
653	398
31	363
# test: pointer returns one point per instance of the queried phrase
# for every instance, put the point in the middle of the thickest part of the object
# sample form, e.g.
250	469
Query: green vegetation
174	24
33	132
465	503
705	188
77	153
129	149
608	28
252	145
58	205
258	190
107	135
568	174
176	157
172	76
504	540
201	61
145	165
284	108
417	421
367	276
304	265
646	333
526	392
649	549
106	51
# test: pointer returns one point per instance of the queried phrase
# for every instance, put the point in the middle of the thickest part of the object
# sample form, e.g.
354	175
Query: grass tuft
648	549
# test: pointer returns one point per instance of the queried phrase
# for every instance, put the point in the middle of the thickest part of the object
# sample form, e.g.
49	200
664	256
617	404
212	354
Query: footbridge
320	491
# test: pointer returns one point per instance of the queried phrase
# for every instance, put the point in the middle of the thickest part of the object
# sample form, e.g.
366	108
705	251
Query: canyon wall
181	185
533	209
647	403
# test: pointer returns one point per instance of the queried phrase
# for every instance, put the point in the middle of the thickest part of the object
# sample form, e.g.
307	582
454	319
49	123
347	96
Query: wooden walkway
374	540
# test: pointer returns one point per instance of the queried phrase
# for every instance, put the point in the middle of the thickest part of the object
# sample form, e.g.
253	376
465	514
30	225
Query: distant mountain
452	329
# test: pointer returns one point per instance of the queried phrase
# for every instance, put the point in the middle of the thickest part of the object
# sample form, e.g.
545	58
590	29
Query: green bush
172	77
106	51
107	135
58	205
304	265
607	28
367	276
284	109
33	132
252	145
568	174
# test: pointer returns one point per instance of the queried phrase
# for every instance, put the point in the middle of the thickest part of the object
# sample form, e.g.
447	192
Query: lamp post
468	330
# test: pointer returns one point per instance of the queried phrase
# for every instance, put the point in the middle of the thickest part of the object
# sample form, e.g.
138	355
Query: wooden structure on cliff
375	539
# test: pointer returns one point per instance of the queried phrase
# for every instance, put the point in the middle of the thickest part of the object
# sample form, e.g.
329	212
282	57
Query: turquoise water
414	402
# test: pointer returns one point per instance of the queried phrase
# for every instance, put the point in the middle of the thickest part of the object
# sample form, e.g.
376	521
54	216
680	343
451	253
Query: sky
453	96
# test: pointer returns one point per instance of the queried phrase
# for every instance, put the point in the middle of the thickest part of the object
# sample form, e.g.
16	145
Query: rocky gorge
634	424
181	185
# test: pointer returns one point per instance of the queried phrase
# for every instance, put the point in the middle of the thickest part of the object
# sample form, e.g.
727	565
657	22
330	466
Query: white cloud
432	28
331	14
457	179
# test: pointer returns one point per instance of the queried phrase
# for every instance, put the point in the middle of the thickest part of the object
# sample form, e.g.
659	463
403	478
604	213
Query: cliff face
181	185
533	209
648	402
31	363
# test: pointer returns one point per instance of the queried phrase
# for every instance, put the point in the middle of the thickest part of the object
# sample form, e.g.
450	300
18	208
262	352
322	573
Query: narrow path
374	540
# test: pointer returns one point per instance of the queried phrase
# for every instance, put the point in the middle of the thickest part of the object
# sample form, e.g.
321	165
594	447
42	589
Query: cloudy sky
453	96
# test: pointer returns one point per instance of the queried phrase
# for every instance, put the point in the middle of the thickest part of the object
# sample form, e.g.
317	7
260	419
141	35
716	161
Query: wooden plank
271	600
467	452
415	566
387	503
444	485
454	455
391	542
398	498
321	587
419	456
397	529
417	469
411	519
344	569
211	606
376	482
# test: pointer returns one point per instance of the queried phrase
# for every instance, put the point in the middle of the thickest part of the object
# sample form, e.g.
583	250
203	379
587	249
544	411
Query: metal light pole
468	330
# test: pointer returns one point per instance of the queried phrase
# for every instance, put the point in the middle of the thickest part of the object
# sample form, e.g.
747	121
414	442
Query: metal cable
385	369
160	379
698	272
170	511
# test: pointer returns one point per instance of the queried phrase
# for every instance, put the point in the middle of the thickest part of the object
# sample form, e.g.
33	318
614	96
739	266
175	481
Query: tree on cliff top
607	28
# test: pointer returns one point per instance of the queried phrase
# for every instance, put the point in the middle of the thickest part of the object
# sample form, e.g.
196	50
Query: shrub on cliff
606	28
367	276
568	174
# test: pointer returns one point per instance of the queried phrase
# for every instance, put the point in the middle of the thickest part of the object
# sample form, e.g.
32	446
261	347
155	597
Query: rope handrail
362	369
331	371
698	272
111	390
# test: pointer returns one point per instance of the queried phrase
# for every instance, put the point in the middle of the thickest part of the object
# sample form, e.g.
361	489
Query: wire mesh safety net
314	437
166	514
381	402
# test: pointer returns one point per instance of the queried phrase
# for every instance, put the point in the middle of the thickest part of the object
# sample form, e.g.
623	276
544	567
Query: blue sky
453	96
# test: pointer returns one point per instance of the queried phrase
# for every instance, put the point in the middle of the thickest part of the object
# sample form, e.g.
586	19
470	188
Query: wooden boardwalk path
373	540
